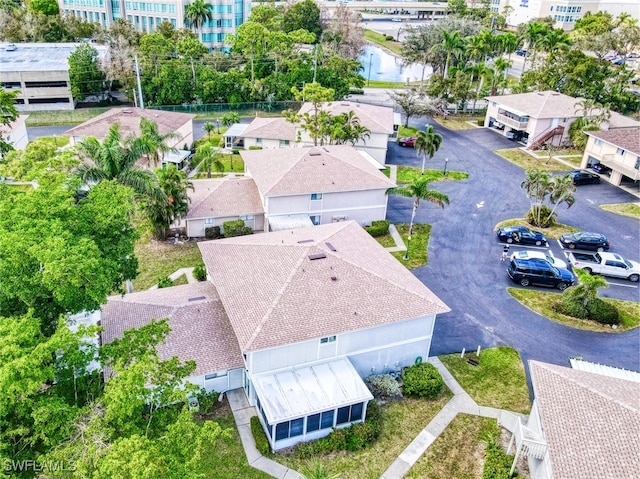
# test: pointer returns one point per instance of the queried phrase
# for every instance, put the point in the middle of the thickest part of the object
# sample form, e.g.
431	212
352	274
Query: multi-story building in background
146	16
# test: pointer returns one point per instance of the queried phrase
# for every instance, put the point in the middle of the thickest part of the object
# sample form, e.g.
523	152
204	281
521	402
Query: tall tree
418	189
46	7
151	143
303	15
174	184
198	13
8	114
427	143
315	120
115	159
61	255
85	75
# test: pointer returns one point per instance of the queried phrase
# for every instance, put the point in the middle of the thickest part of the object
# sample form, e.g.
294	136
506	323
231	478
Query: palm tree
587	290
230	118
536	185
209	156
418	189
151	143
555	41
534	34
427	143
508	42
197	13
208	127
561	190
453	45
500	68
164	211
114	160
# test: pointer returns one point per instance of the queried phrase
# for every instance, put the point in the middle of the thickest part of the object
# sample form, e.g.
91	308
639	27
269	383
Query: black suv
539	272
585	240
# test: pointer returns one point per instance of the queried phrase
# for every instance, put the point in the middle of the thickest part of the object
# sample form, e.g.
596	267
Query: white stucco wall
195	227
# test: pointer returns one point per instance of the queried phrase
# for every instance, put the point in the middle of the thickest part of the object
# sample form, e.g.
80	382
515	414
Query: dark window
282	430
313	422
327	419
19	101
343	415
45	84
11	84
34	101
296	427
356	412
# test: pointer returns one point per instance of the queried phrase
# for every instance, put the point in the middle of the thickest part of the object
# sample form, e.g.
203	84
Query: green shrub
213	232
262	443
571	307
423	381
357	436
206	400
603	312
235	151
383	386
356	91
200	272
497	464
378	228
481	122
165	282
389	38
236	228
255	147
547	218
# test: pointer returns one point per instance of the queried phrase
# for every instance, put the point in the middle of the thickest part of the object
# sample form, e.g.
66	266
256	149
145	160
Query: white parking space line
611	283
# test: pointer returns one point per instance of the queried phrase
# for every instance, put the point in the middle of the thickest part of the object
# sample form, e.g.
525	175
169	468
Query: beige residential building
16	133
617	149
268	133
40	72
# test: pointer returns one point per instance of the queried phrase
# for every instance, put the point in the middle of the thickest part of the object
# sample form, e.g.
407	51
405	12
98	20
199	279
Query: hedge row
378	228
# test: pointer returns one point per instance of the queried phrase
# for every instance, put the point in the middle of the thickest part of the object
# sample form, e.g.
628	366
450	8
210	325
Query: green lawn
63	117
405	174
386	240
226	458
528	162
403	420
497	381
541	302
631	210
52	141
159	259
459	122
380	39
458	452
418	246
231	163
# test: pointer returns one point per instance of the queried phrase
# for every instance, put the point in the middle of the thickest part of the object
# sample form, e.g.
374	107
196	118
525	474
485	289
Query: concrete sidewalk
460	403
188	272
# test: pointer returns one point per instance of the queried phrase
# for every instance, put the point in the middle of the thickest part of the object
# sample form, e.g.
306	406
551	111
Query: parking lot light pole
406	254
446	162
369	77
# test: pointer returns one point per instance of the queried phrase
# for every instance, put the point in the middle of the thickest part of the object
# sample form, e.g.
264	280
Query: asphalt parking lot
464	267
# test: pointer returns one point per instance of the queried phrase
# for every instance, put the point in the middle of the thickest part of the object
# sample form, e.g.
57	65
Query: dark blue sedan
521	235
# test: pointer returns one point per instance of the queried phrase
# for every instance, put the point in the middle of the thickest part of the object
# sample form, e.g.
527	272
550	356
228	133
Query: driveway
464	267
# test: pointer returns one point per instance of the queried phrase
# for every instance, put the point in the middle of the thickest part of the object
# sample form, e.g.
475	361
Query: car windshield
628	263
550	259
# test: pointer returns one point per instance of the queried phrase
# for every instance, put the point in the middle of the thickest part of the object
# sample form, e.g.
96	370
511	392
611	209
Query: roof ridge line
294	163
275	301
219	183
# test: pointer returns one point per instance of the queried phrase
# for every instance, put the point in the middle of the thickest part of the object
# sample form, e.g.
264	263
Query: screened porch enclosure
304	403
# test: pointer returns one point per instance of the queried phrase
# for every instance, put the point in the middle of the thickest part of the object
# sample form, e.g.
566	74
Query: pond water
386	67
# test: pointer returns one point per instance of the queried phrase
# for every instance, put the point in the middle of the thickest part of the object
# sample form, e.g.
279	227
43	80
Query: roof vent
126	111
317	256
330	246
198	298
305	241
325	150
334	278
314	153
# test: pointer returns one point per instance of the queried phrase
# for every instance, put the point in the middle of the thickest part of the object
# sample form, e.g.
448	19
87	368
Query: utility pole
135	61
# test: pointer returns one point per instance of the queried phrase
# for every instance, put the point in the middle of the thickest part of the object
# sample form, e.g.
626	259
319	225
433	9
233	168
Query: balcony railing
528	443
513	123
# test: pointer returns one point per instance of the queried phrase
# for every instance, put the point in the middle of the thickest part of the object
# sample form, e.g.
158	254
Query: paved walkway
460	403
188	272
242	414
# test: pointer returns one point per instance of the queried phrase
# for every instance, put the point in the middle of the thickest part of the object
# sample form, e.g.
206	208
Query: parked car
522	52
607	264
514	135
526	272
585	240
407	141
521	235
600	168
539	256
583	177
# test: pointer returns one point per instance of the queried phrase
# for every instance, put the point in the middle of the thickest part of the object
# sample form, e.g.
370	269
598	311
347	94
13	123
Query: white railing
518	125
528	443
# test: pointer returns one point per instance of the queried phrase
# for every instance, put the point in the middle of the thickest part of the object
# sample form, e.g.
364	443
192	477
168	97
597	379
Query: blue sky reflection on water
386	67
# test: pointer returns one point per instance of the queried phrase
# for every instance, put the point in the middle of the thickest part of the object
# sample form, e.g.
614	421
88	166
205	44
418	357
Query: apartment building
146	16
40	72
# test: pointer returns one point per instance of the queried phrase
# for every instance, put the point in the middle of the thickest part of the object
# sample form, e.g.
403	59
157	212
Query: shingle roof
270	128
591	422
324	169
377	119
539	104
275	293
230	196
200	329
626	138
129	119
